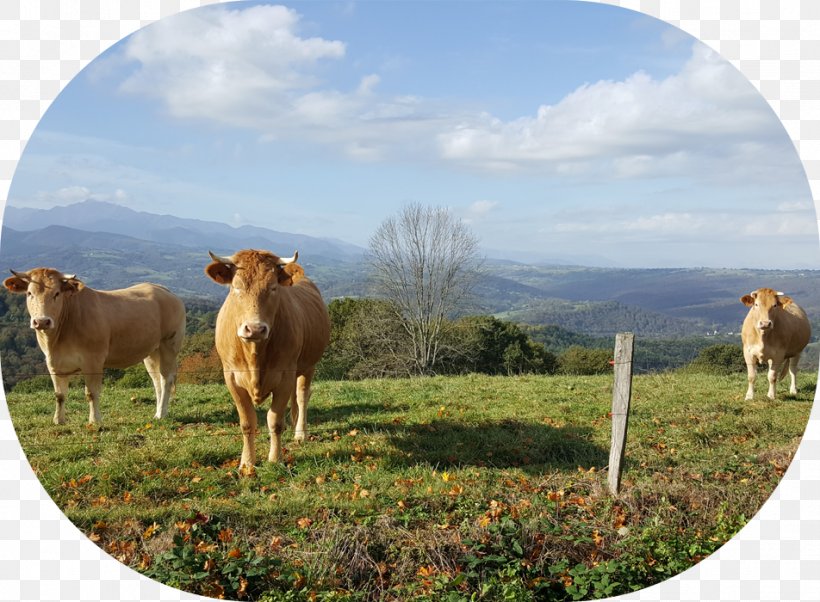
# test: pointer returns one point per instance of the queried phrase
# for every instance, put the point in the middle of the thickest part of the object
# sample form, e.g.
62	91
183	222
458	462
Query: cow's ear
784	300
221	273
747	300
16	284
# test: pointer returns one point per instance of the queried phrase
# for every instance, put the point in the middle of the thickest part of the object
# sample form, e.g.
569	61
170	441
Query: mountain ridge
598	300
102	216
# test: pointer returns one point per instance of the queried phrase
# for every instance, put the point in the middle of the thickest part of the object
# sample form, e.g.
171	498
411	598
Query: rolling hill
109	246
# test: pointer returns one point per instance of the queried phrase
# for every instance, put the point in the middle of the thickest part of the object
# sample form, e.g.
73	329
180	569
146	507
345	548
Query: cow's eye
57	294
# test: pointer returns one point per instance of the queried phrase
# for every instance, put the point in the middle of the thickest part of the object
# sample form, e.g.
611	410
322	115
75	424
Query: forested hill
603	318
108	248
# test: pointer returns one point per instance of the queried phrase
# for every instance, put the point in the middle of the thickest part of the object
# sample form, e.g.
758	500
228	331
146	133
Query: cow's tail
785	369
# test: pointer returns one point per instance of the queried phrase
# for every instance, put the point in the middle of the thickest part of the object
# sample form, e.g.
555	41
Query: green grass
433	488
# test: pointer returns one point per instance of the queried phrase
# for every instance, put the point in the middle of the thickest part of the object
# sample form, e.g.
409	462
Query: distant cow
270	332
81	331
775	332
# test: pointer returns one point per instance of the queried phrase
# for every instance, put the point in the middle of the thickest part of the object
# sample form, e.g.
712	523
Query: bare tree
424	260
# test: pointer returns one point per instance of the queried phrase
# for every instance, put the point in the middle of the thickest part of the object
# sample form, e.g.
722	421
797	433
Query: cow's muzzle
42	323
765	325
253	331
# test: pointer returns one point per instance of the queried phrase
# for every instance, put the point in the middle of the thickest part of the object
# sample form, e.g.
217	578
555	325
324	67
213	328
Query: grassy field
455	488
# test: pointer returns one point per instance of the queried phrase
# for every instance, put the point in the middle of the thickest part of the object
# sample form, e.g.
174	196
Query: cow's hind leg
152	367
93	389
162	366
302	399
792	362
60	394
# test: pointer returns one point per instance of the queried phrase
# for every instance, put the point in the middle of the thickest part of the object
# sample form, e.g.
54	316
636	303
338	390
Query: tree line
367	341
423	265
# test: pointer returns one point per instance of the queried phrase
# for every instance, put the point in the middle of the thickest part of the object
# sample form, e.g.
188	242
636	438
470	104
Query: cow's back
799	329
317	319
304	310
138	318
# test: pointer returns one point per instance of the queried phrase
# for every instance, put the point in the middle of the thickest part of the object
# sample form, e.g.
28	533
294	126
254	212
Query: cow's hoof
247	470
749	397
299	436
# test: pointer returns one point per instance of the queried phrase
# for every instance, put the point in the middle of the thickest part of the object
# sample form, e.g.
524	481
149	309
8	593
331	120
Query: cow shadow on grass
446	443
352	415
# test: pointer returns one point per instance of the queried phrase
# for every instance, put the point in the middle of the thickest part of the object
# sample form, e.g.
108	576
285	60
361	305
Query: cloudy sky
560	131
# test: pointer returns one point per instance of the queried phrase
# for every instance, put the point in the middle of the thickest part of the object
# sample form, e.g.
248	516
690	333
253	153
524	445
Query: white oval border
776	556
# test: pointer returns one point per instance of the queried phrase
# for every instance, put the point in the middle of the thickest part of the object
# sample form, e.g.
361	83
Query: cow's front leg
774	370
276	416
751	371
247	422
60	394
93	389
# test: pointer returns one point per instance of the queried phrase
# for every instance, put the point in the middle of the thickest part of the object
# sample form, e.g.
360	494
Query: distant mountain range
99	216
110	246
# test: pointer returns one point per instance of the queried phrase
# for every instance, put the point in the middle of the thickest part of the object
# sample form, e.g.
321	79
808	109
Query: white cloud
240	66
253	68
795	206
68	195
71	194
478	211
674	226
482	207
636	127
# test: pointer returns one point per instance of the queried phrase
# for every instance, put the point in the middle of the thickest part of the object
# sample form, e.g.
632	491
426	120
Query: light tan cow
270	333
775	332
81	331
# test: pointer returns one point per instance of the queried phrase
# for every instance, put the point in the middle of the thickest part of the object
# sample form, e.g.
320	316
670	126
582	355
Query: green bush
720	359
581	361
487	345
135	377
34	385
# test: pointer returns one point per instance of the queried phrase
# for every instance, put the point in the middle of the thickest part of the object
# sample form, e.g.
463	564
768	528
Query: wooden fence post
621	395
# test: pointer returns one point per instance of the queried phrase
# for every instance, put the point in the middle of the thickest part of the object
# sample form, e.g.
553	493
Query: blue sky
560	131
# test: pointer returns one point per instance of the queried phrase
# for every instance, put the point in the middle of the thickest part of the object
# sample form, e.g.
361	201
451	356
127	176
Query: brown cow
291	274
775	332
81	331
269	336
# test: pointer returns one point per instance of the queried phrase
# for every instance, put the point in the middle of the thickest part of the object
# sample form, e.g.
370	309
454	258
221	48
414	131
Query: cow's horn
287	260
21	275
218	259
779	294
69	276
